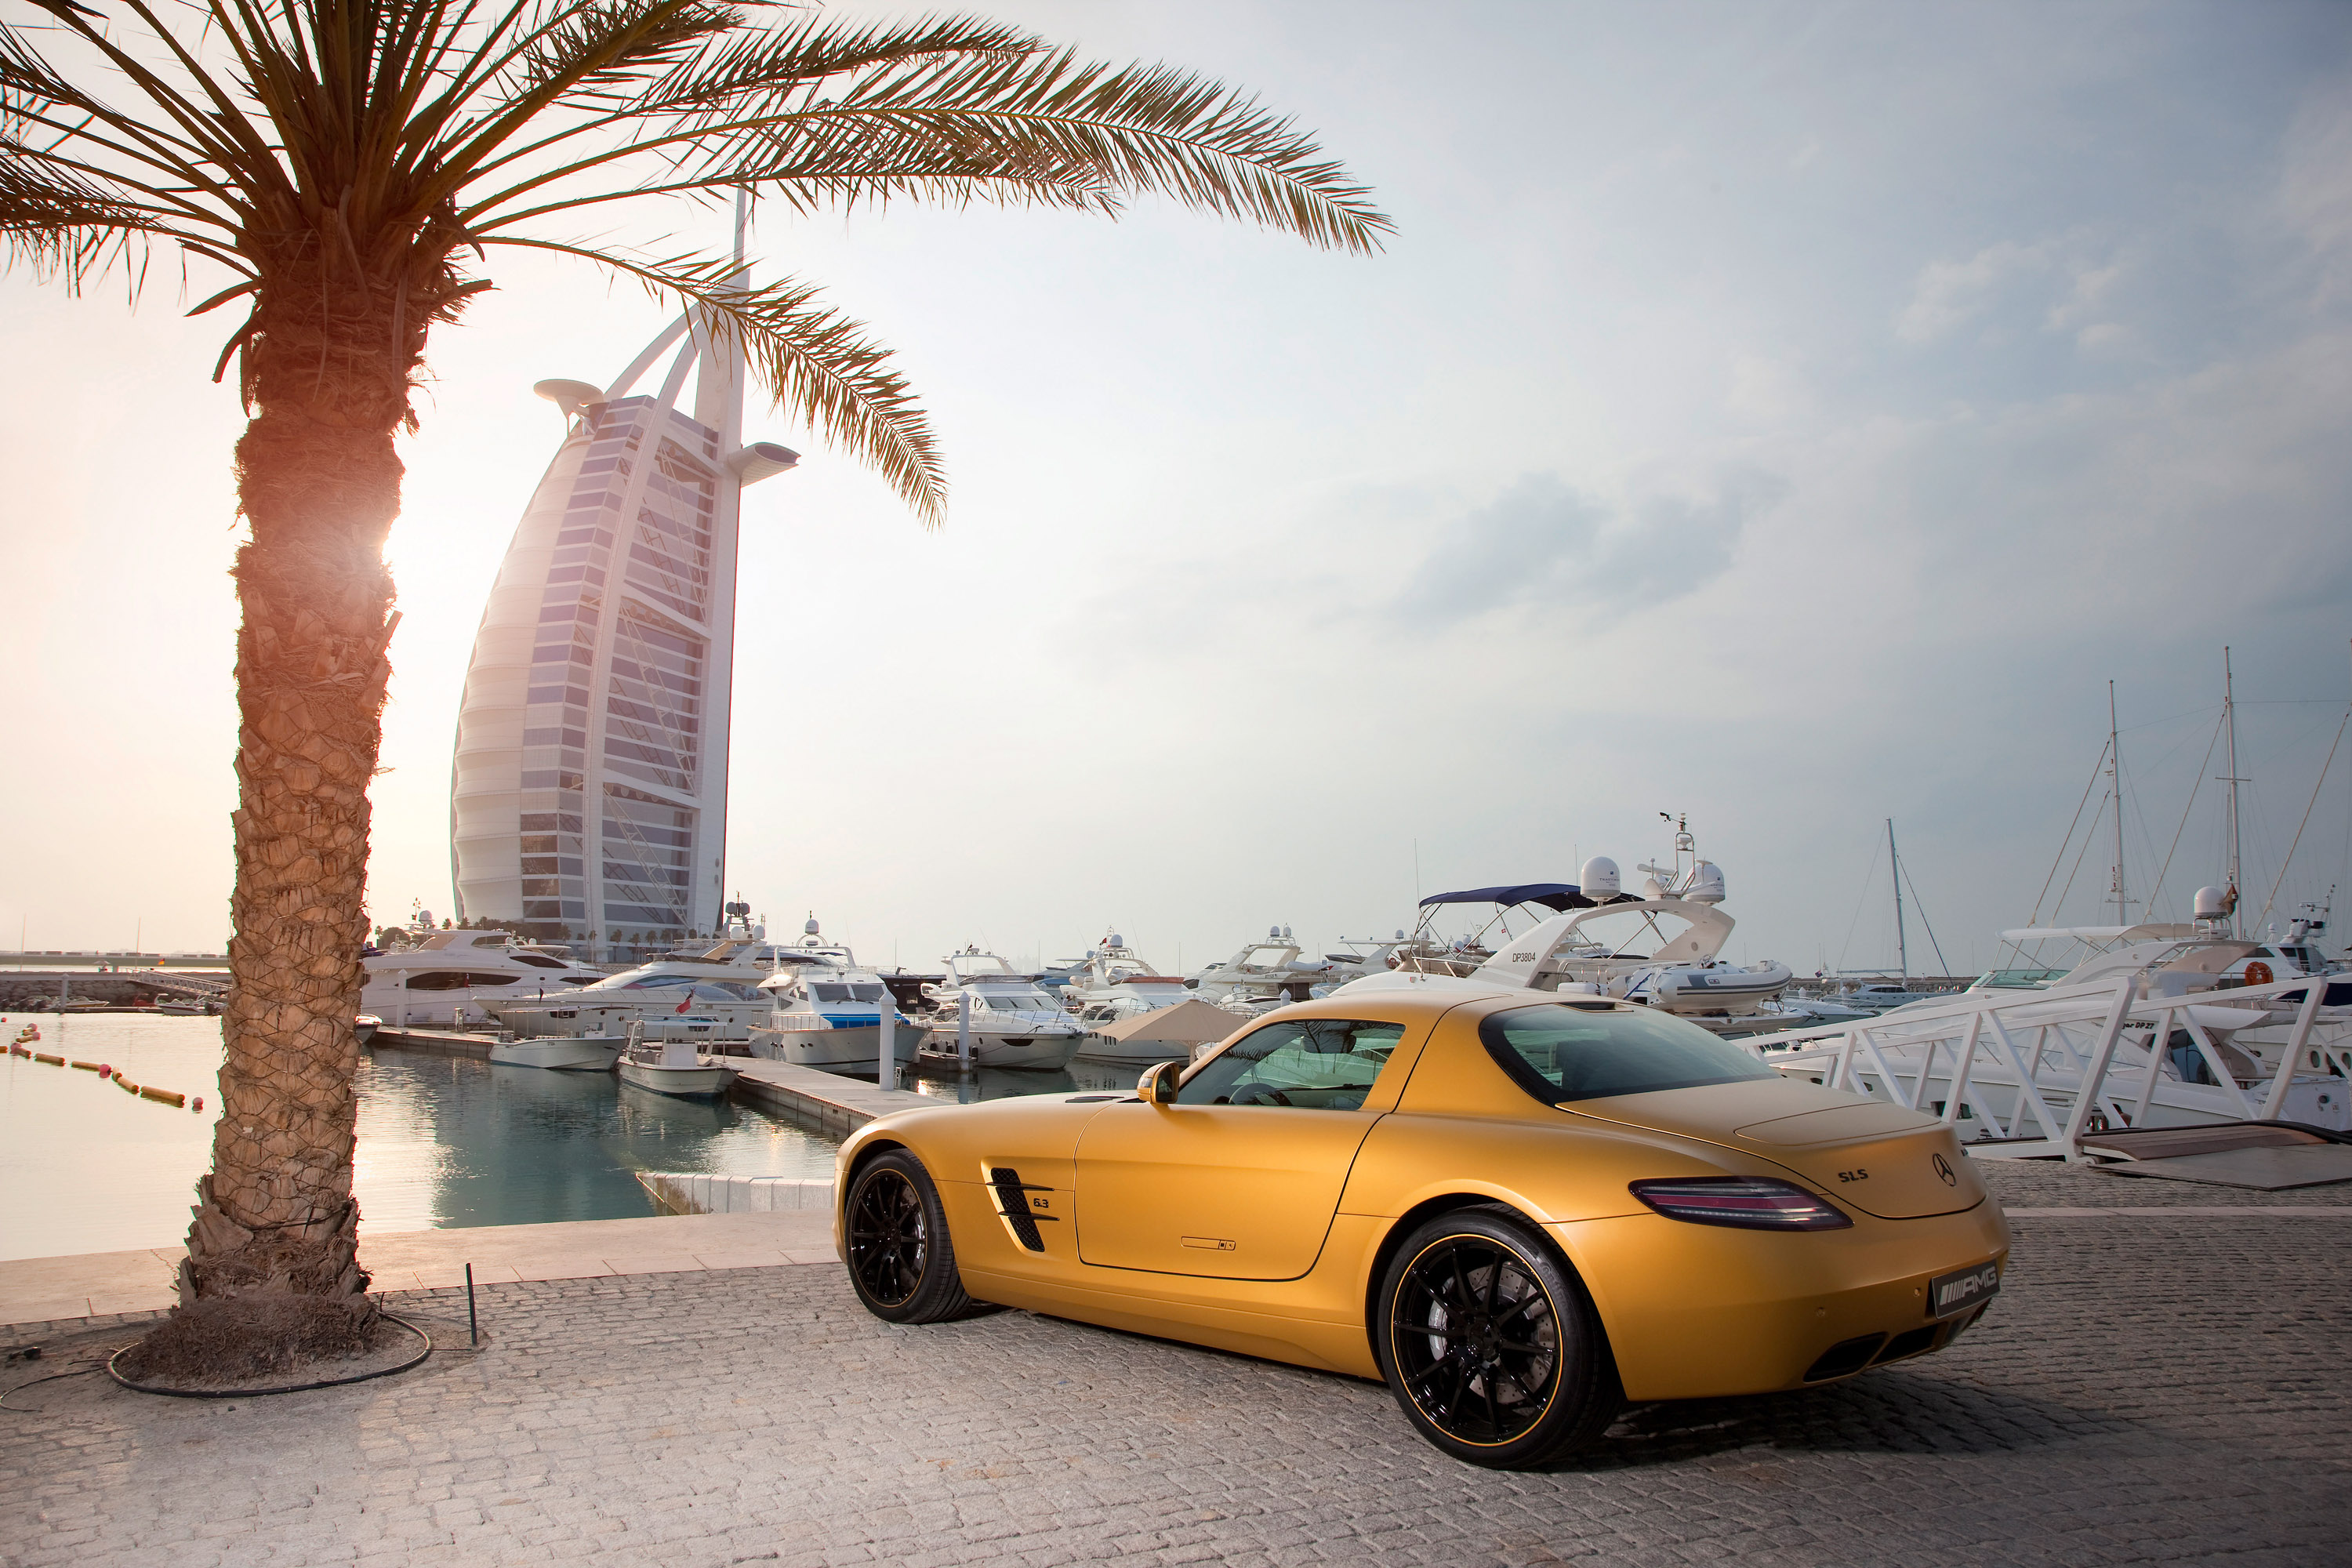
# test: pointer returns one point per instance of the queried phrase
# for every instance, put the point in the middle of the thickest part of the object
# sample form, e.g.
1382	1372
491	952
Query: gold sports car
1519	1211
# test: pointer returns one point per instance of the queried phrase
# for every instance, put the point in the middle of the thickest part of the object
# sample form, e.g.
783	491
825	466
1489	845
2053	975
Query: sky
1790	416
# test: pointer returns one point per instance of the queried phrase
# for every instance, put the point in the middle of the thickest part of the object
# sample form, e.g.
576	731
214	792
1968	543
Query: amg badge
1950	1293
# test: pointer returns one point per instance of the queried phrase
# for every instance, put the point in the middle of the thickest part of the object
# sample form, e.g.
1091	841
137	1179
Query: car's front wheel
1491	1344
901	1261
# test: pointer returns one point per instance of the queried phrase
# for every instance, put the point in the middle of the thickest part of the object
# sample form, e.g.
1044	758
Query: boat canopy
1560	897
2149	931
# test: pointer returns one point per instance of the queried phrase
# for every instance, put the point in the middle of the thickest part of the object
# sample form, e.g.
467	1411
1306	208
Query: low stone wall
687	1191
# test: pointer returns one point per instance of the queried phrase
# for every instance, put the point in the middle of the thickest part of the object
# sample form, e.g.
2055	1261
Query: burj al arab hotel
589	792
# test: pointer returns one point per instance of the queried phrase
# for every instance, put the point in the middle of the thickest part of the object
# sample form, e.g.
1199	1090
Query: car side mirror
1157	1084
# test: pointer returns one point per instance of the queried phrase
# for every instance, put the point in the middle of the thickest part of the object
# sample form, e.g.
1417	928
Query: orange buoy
86	1067
165	1096
44	1057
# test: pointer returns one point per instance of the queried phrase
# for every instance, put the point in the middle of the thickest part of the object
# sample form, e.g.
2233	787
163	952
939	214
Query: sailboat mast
1902	946
2230	727
2116	798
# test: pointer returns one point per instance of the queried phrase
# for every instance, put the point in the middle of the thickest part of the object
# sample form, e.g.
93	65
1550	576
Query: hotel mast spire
588	796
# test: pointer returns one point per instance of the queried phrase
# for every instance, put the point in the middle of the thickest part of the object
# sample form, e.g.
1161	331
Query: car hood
1866	1154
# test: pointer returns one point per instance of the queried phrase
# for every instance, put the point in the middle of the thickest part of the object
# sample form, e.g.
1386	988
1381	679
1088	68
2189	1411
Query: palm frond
360	147
817	364
62	230
1011	122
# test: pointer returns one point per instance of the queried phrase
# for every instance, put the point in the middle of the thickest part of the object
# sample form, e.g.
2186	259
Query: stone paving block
2148	1389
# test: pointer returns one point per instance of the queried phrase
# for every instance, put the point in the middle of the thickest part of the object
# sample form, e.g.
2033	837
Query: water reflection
456	1141
1009	1083
442	1142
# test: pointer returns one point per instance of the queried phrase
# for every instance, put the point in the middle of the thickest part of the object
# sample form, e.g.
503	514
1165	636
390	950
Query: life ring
2258	973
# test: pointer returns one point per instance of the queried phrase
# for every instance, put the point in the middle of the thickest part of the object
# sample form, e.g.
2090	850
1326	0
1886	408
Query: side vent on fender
1013	1206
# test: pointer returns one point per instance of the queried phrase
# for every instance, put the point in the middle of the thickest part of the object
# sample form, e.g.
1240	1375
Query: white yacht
675	1068
2201	958
564	1053
1263	975
452	977
1366	955
715	982
1660	950
1116	983
1011	1022
826	1011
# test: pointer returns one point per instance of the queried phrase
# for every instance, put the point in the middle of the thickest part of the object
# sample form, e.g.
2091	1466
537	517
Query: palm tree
352	164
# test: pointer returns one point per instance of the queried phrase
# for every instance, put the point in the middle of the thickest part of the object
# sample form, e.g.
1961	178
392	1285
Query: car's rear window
1561	1052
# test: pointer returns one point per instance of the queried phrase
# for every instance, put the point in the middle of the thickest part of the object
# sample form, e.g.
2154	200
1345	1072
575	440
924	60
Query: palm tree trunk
318	485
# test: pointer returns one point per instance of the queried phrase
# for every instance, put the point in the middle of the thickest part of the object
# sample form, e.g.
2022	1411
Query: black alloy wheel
901	1259
1490	1343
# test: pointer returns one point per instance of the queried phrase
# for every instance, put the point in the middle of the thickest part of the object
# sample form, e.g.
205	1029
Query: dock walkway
824	1101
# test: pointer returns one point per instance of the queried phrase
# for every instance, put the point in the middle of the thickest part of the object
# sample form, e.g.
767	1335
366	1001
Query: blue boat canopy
1560	896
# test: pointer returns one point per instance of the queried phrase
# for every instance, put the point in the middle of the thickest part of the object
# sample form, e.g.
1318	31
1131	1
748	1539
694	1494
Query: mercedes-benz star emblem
1944	1169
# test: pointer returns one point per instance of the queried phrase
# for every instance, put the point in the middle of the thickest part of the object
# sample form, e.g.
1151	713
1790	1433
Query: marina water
443	1141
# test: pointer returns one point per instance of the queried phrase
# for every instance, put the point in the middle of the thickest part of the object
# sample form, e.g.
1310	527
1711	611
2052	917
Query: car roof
1414	1008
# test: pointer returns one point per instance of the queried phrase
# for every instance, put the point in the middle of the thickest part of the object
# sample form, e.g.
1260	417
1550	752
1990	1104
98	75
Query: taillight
1750	1202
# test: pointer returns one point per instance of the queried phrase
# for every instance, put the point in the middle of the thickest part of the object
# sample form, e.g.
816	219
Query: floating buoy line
27	1037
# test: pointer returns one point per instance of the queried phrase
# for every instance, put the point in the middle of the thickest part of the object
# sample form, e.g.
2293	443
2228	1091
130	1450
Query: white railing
2035	1070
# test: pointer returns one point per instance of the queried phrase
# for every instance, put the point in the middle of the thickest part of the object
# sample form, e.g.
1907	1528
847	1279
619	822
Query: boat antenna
2116	794
2229	728
1902	946
2299	827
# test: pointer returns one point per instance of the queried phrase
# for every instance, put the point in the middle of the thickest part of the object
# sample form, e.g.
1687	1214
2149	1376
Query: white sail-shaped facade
589	792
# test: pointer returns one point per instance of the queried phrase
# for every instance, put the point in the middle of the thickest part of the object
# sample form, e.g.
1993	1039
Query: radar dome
1598	881
809	928
1705	883
2212	903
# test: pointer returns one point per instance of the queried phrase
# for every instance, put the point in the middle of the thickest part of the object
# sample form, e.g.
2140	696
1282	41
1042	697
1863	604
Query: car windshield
1561	1052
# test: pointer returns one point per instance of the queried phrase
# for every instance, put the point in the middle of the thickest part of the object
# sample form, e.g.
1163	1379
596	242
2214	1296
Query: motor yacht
562	1053
1660	949
1116	983
1009	1020
825	1010
452	977
1261	975
716	982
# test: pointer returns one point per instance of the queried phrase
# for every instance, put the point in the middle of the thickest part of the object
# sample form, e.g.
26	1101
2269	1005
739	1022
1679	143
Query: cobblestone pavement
2148	1389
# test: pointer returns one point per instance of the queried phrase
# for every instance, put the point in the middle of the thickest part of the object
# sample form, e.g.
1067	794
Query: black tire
901	1261
1490	1343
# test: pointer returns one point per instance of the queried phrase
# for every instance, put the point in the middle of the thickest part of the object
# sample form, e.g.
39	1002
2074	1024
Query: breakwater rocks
36	990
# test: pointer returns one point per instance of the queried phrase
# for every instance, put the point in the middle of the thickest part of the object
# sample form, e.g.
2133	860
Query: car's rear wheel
1490	1343
901	1260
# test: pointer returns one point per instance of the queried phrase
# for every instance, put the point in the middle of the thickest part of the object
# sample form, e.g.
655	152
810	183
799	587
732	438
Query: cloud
1543	541
1948	293
2315	189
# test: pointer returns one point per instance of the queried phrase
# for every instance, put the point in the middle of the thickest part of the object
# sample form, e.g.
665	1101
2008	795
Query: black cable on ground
6	1395
417	1360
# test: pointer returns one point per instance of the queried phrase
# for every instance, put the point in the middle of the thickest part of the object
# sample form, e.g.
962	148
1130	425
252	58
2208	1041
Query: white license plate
1957	1292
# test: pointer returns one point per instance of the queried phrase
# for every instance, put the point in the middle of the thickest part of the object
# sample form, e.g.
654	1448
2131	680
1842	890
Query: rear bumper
1698	1311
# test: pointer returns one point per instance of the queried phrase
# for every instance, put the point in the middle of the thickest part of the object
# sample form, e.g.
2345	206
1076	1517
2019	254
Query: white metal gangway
2026	1074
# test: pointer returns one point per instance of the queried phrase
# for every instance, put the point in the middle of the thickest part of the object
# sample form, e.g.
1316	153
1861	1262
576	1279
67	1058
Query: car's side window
1317	1064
